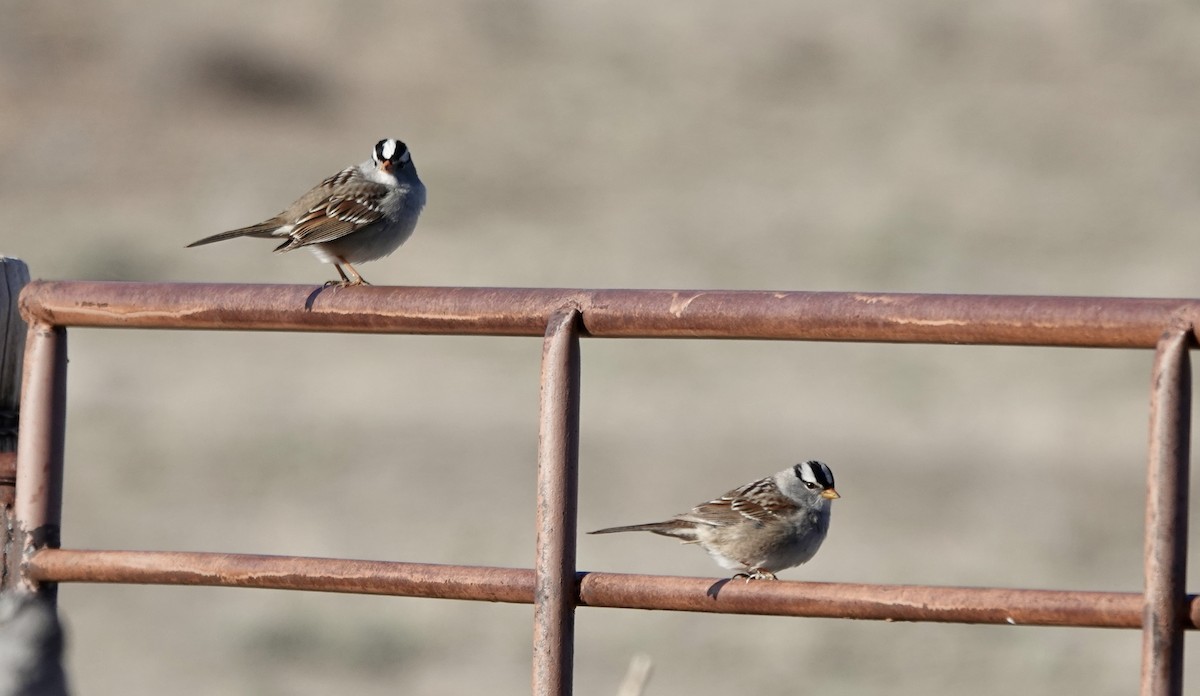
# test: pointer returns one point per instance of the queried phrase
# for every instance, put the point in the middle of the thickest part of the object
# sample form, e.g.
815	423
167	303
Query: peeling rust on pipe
972	605
8	468
283	573
815	316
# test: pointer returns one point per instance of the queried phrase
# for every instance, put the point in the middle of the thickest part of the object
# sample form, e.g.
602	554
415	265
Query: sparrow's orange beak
830	494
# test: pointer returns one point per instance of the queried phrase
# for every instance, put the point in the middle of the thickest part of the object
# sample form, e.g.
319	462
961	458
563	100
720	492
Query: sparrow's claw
756	574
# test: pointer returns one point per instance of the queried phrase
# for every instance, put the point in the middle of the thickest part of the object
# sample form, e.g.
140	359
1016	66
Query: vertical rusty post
40	444
557	497
1166	517
14	275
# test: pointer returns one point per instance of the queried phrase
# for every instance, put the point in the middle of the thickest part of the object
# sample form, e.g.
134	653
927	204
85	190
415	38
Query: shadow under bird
362	213
761	528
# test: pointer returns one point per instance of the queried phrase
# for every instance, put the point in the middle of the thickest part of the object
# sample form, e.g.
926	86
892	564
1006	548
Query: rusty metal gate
562	316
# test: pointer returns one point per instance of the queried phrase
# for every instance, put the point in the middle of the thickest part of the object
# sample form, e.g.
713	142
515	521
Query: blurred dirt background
1018	147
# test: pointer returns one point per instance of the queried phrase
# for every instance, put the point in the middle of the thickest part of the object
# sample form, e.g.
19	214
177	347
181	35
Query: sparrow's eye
811	486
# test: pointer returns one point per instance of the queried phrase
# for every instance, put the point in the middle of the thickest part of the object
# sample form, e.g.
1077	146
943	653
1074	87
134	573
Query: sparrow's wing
340	205
759	501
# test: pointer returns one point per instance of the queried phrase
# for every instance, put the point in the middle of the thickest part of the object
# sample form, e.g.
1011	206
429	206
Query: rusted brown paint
283	573
1017	607
813	316
8	469
1166	517
971	605
561	316
40	443
557	502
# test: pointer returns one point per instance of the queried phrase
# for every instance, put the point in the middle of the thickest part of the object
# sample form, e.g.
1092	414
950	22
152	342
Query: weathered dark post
14	274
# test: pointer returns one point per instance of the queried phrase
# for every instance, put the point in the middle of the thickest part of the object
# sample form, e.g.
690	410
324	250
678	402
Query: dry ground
1017	147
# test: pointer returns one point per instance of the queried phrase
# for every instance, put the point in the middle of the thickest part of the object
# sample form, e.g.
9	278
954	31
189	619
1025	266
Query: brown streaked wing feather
338	216
317	228
757	501
328	216
318	194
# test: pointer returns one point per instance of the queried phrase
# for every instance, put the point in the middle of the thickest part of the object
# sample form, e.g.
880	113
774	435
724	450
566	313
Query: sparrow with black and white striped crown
761	528
362	213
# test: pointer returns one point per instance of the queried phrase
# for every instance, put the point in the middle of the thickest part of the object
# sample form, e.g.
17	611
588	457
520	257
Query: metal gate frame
561	316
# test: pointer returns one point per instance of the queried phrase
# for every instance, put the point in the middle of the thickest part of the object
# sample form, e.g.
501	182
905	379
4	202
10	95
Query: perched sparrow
763	527
362	213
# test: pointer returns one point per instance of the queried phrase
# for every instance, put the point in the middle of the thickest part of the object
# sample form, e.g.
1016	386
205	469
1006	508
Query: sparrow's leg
346	280
357	279
339	283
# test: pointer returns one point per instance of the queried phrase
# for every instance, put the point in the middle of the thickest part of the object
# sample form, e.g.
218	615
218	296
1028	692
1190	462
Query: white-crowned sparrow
362	213
763	527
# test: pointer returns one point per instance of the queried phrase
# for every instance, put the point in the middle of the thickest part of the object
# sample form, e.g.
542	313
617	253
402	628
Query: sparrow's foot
756	574
347	280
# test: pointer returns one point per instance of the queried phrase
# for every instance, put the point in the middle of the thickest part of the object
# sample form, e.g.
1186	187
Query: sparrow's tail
260	230
672	528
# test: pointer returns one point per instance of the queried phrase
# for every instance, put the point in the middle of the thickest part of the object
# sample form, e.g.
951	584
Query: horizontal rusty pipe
973	605
283	573
816	316
516	585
